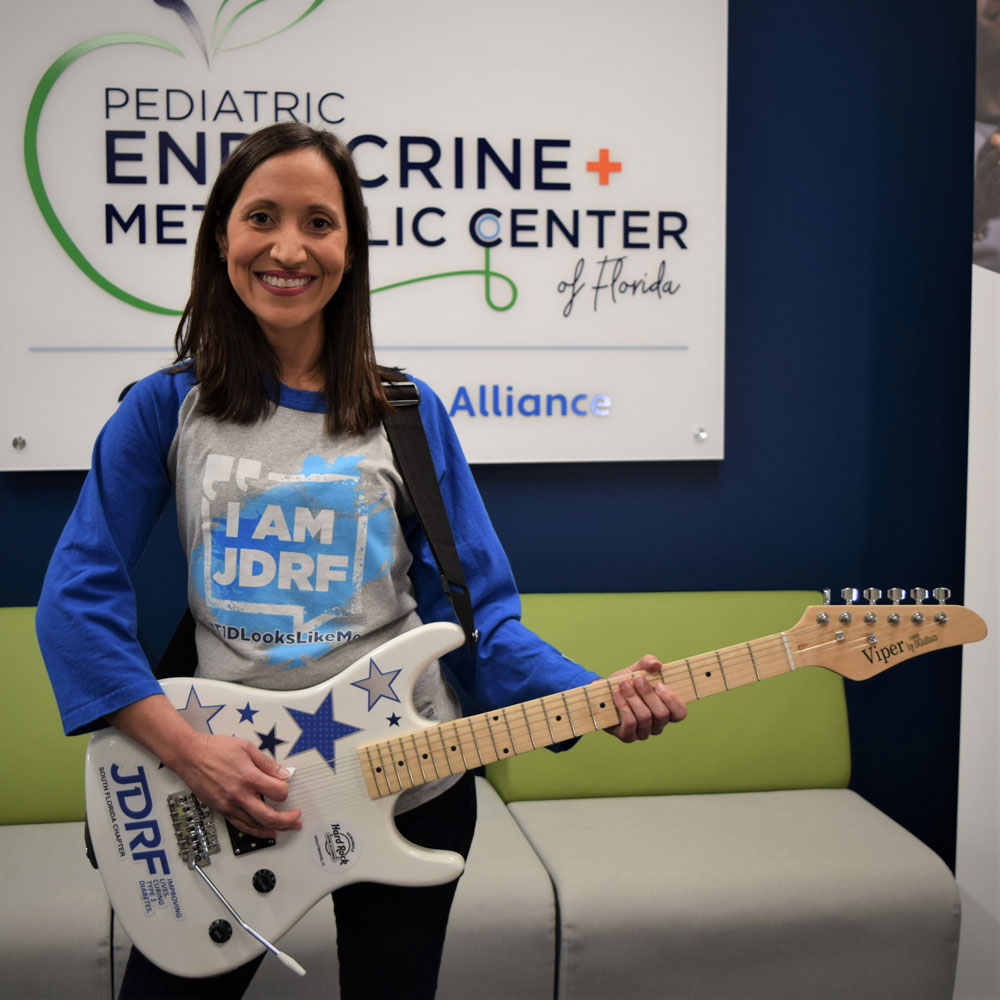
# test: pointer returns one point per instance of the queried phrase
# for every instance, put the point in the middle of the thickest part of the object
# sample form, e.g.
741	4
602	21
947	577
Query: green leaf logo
221	29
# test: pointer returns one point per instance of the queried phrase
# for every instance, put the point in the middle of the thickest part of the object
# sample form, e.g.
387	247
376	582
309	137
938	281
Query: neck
299	353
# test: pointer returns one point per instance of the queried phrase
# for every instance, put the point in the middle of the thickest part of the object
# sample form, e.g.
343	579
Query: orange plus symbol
604	166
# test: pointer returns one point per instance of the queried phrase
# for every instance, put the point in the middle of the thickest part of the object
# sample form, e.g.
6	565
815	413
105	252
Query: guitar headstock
858	641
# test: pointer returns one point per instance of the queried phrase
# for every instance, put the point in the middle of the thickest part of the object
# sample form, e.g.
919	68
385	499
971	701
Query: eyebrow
315	207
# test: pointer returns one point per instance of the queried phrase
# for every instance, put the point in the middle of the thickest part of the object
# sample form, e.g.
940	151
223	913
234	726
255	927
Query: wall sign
546	189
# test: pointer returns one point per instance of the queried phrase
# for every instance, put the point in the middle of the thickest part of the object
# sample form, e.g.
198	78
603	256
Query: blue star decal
319	730
247	714
393	719
270	742
378	684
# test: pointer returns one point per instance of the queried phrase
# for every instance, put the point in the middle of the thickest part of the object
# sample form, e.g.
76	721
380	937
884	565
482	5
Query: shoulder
148	409
167	387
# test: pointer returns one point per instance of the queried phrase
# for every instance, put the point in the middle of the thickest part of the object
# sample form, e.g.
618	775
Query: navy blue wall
848	274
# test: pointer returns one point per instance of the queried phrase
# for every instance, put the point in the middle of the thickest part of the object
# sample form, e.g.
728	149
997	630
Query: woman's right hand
227	773
235	778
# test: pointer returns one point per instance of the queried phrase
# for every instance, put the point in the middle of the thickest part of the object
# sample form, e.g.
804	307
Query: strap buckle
402	393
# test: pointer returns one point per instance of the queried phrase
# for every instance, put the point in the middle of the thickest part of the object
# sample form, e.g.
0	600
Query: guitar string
417	773
524	730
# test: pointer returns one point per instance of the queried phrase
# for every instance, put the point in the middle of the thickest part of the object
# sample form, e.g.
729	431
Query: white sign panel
546	188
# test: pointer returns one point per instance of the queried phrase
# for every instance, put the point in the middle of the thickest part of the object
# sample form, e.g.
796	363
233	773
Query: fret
539	703
581	718
710	679
401	766
557	716
471	743
756	672
606	714
421	757
694	683
386	770
454	746
527	725
496	750
722	670
436	748
374	778
526	742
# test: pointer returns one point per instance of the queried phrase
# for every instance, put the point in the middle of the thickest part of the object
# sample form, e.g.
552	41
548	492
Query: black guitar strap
408	440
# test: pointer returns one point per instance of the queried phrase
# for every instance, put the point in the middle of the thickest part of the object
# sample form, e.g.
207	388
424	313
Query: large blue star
319	730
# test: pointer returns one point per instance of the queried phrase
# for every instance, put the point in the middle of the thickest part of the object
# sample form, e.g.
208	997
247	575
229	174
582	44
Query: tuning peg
826	595
919	595
849	594
941	594
896	594
871	595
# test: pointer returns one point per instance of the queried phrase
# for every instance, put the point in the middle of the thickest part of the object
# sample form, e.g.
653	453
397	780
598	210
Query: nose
288	250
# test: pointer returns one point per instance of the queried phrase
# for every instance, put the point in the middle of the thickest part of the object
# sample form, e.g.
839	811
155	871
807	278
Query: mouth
289	282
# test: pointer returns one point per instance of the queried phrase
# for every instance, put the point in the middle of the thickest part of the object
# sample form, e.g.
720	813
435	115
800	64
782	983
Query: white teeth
270	279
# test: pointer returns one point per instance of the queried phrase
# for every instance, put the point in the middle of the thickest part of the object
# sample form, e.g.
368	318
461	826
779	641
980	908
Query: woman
290	509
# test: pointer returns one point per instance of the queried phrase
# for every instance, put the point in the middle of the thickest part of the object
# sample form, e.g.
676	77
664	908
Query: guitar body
141	835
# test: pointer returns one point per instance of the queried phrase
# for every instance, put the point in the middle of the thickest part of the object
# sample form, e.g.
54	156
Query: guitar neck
448	748
855	641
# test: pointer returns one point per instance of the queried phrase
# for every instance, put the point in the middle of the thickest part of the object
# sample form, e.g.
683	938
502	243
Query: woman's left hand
644	707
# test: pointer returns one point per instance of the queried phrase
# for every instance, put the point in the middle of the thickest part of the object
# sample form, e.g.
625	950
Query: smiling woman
271	290
304	554
286	247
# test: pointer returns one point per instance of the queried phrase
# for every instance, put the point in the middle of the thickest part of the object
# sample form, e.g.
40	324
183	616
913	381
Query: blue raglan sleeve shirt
86	620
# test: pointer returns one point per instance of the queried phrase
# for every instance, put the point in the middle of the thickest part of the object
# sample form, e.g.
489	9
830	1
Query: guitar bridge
194	827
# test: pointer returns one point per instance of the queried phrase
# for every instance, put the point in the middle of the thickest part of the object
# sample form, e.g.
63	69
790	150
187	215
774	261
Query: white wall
978	800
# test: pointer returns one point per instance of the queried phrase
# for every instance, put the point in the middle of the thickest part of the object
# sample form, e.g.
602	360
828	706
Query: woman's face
286	244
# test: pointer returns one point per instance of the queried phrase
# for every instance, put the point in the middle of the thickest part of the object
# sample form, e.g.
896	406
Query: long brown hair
234	363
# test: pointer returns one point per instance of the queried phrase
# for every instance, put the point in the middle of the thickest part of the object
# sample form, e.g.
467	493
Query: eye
320	224
259	218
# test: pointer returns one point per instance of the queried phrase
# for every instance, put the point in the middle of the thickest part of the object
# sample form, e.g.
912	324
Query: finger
271	778
258	813
626	728
651	715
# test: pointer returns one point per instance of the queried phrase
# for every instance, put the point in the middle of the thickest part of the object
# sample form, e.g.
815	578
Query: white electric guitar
198	897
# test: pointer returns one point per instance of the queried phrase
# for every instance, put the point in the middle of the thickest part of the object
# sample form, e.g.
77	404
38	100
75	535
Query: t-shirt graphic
285	557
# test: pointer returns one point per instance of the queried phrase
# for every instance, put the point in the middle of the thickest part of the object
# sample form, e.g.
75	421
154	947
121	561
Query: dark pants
389	938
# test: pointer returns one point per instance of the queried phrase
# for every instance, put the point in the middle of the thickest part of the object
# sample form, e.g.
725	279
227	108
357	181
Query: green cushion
44	783
785	732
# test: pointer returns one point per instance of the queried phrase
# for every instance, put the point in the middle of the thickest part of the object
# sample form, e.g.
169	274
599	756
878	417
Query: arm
510	662
86	620
228	773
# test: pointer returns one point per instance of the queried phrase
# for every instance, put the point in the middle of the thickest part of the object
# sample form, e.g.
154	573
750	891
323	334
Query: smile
276	281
